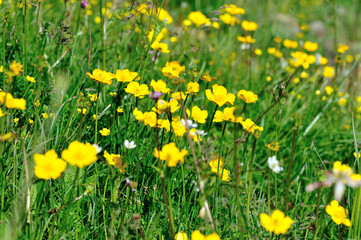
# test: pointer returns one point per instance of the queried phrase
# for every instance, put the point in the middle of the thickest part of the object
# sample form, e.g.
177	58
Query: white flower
189	123
129	145
274	164
97	147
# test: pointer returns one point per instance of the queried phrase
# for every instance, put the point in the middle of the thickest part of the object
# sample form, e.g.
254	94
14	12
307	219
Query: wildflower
7	137
120	110
247	96
173	39
328	71
247	39
274	164
125	75
160	35
80	154
206	77
233	9
229	19
329	90
189	123
84	4
251	127
355	154
178	128
129	145
180	236
116	161
342	102
171	154
310	46
82	110
199	115
192	88
220	95
150	118
155	95
31	121
110	157
197	235
178	96
159	46
105	132
11	102
290	44
273	146
101	76
258	52
276	223
137	90
16	68
93	97
138	114
198	18
159	86
45	115
226	115
338	213
48	165
97	147
163	15
30	79
37	103
249	26
173	69
1	113
113	94
342	48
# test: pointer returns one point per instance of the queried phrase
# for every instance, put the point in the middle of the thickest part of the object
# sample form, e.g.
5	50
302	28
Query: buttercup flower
247	96
159	86
233	9
197	235
198	18
180	236
220	95
192	88
125	75
171	154
16	68
226	115
229	19
273	146
310	46
338	213
276	223
328	71
12	103
80	154
116	161
137	90
48	165
101	76
173	69
249	26
206	77
199	115
105	132
251	127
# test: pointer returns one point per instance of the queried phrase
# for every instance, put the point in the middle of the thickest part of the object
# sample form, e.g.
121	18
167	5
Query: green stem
96	115
250	178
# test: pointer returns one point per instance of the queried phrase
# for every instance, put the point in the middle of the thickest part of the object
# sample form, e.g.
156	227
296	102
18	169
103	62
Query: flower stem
250	177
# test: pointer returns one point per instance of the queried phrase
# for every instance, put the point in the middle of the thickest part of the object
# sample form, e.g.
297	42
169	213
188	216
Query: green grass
58	43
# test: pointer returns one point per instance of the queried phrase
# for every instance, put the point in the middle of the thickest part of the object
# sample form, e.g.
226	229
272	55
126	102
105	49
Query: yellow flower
199	115
181	236
251	127
276	223
45	115
1	113
258	52
247	96
226	115
338	213
206	77
328	71
7	137
150	118
163	15
93	97
30	79
173	69
105	132
159	86
197	235
249	26
120	110
192	88
31	121
233	9
97	20
302	59
246	39
310	46
138	115
355	154
80	154
159	46
329	90
290	44
342	48
12	103
178	128
273	146
48	165
101	76
82	110
125	75
110	157
137	90
220	95
229	19
198	18
171	154
342	102
116	161
16	68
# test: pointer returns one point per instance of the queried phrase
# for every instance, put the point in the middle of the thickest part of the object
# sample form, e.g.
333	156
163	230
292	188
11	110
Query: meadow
192	119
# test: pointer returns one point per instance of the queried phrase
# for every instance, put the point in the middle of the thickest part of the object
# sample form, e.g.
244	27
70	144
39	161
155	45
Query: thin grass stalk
250	178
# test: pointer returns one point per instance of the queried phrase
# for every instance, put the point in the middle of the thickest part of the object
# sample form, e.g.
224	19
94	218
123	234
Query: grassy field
162	119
